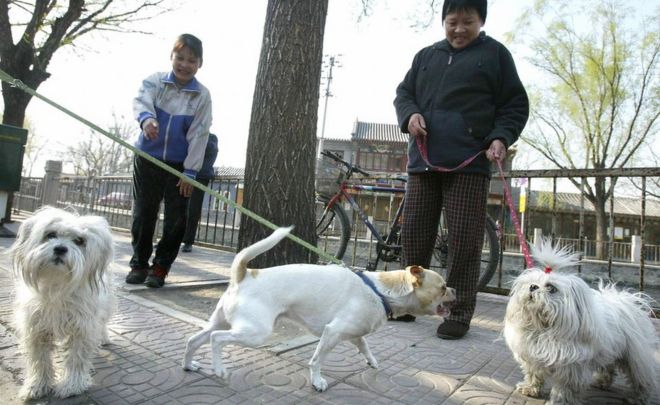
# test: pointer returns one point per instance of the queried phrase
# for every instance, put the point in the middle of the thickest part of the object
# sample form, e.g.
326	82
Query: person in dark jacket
196	200
461	97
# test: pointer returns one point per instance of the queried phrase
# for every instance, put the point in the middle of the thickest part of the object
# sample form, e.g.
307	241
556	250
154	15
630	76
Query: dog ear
19	248
418	275
100	249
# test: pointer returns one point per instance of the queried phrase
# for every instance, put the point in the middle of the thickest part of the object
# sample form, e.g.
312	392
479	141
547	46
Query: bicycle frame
344	188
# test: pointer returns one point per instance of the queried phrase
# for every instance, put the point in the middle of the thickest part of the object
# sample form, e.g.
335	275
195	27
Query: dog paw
68	390
320	384
528	390
34	391
222	372
193	366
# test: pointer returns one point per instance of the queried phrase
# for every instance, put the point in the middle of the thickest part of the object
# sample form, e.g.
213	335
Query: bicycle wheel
490	252
333	230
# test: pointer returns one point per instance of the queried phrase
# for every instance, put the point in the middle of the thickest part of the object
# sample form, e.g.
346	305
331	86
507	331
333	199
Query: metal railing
111	196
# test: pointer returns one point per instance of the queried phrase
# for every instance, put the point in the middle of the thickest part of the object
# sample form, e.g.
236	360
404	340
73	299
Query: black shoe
156	277
136	276
452	330
187	247
404	318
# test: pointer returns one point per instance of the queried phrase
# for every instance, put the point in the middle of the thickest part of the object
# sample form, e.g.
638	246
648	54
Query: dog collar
367	281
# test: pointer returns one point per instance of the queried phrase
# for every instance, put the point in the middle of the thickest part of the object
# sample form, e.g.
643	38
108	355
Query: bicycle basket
329	174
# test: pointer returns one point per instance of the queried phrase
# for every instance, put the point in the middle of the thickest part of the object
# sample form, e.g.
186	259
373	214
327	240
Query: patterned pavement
142	364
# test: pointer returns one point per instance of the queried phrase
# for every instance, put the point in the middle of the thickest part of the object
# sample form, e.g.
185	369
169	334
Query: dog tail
239	265
554	257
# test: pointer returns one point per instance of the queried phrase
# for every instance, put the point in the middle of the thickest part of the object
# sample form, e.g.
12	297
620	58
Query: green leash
4	76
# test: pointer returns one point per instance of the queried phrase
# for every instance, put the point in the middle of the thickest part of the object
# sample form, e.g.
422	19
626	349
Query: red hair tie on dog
547	269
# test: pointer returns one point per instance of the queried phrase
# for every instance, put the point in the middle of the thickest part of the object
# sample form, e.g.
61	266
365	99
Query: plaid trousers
464	197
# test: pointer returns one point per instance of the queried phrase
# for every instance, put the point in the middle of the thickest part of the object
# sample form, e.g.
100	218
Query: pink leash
425	155
507	195
516	222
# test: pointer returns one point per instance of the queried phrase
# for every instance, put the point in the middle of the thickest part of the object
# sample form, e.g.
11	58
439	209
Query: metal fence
111	197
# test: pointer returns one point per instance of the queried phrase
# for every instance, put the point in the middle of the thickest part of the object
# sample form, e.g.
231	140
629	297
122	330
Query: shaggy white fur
560	329
63	298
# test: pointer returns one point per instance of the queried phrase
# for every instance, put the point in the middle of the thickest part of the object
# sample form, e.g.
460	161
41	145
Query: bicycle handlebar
351	167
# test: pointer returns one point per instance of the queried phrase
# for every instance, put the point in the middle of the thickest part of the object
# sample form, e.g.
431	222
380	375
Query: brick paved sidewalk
142	365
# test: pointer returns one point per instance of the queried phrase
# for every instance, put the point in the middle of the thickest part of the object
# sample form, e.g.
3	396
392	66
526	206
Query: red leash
425	155
514	218
507	194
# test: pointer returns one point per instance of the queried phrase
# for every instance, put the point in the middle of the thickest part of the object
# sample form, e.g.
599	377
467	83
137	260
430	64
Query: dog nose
60	250
533	288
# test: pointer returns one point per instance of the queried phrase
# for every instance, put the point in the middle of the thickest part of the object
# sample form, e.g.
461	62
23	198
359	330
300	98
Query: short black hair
189	41
450	6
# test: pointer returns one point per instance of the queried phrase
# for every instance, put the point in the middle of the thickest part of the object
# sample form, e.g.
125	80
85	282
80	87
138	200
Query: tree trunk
279	168
601	232
16	102
602	219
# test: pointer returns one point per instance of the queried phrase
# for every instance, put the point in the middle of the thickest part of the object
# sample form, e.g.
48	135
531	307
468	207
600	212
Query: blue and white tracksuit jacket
184	120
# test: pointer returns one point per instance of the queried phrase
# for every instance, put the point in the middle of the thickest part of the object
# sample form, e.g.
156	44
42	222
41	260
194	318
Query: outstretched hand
150	129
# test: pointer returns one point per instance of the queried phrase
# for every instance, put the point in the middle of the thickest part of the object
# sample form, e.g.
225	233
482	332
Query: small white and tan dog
560	329
63	298
330	301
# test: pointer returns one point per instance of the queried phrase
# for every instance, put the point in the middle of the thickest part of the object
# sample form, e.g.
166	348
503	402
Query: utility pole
333	60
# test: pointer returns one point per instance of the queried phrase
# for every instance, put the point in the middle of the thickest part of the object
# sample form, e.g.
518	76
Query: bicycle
333	227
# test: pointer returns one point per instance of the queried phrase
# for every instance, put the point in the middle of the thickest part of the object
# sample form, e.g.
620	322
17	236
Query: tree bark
279	167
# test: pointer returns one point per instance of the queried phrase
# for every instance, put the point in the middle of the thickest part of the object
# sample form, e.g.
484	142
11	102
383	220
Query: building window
389	161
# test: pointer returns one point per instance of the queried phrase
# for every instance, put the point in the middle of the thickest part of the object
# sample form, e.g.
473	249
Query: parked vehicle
116	199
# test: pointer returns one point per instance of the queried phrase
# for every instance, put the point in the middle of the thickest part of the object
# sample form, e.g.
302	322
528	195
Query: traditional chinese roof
376	132
225	171
570	202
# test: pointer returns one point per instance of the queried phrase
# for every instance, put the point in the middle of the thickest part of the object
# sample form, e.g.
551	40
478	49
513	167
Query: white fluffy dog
560	329
63	298
330	301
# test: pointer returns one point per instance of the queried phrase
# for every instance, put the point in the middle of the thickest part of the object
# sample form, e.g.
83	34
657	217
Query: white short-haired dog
63	298
330	301
560	329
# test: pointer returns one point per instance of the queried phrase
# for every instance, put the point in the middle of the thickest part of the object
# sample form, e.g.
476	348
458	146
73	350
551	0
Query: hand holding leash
417	125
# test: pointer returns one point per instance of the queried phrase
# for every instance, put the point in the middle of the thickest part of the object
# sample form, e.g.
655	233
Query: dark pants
194	212
151	185
464	197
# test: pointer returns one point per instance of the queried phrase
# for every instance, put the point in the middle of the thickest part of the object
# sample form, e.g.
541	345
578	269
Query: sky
101	76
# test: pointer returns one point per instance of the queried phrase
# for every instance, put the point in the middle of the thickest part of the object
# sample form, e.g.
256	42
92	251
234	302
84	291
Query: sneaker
404	318
156	277
136	276
187	247
452	330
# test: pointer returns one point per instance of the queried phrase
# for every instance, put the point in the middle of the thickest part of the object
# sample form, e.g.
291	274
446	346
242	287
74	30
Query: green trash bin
12	149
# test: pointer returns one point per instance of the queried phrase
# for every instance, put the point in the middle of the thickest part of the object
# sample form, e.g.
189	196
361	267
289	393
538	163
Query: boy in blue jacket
174	112
461	97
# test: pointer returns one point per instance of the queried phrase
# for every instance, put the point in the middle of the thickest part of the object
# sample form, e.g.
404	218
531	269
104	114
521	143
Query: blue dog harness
367	281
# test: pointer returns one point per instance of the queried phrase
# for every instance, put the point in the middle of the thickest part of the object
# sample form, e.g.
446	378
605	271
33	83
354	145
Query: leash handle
514	217
421	145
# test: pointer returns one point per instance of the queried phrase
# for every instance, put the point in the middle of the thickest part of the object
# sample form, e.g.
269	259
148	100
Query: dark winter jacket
468	98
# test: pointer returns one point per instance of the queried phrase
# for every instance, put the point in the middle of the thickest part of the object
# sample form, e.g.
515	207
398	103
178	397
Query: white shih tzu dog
63	298
561	330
